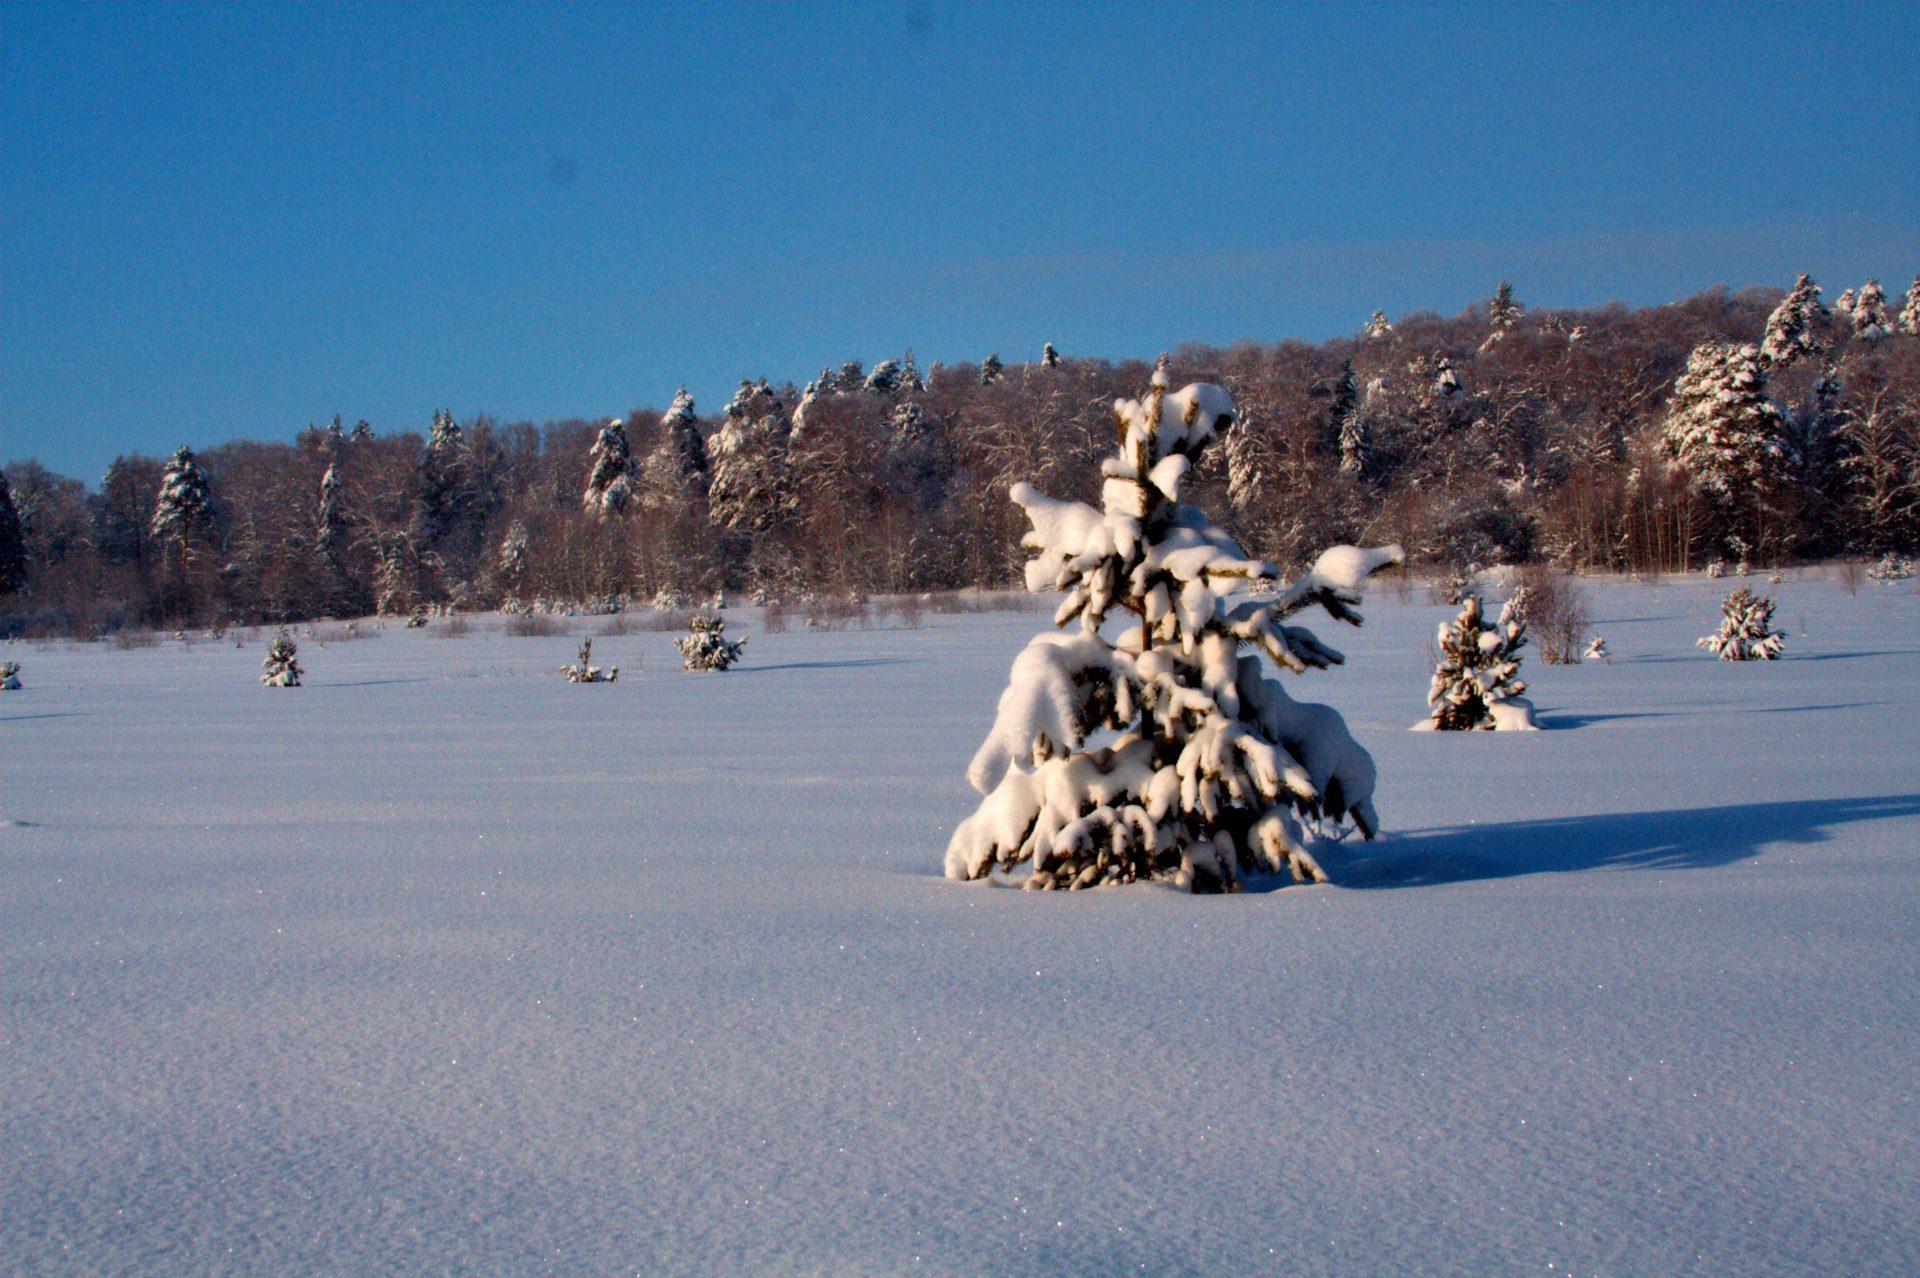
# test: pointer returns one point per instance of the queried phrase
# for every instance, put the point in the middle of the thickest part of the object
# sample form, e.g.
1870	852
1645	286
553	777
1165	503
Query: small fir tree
1910	313
1746	629
1214	766
1050	358
584	671
281	669
1376	327
360	433
991	369
1793	330
885	377
707	647
1475	684
610	475
9	676
1843	305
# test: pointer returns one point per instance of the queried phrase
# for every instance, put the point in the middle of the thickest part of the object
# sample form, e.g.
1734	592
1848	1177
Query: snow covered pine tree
280	669
9	676
1474	684
1746	629
1213	765
708	647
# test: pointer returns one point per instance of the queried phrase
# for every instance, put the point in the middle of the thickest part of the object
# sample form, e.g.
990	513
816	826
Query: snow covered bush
1159	750
281	669
1597	650
708	647
9	676
1746	629
584	671
1890	567
1474	683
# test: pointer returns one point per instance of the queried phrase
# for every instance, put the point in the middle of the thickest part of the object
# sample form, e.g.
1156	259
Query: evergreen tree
1746	629
510	564
1475	684
677	468
1050	358
1214	765
1793	328
1442	381
1729	438
751	489
360	433
281	669
336	436
327	535
1910	313
1870	313
444	496
13	546
707	646
1843	305
610	475
1376	327
1503	314
991	369
885	377
9	676
184	509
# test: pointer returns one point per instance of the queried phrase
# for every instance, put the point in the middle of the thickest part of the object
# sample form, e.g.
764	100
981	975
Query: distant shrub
534	625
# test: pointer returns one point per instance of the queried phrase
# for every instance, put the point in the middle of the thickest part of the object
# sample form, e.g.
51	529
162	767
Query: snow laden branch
1144	739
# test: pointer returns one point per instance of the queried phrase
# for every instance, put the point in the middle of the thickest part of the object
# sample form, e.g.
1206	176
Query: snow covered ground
443	964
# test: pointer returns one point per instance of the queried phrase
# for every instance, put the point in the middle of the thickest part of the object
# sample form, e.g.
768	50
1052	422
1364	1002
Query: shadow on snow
1680	839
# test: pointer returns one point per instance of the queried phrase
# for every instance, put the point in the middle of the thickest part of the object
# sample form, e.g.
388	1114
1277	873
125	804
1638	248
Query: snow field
440	963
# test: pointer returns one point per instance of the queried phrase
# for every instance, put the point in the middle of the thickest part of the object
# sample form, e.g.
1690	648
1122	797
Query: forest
1759	425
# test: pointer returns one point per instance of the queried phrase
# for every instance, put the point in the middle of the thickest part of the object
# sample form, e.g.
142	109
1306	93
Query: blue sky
231	221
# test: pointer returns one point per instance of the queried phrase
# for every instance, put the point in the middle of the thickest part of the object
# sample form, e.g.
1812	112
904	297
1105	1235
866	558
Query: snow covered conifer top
1213	763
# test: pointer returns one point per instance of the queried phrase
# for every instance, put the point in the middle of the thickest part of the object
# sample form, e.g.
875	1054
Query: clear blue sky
226	221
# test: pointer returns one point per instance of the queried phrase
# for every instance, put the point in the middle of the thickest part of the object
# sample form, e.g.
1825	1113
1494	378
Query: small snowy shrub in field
584	671
281	669
9	676
1597	650
708	647
1890	567
1212	766
1474	685
1746	629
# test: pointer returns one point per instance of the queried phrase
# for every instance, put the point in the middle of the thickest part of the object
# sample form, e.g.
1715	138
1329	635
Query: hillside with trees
1756	425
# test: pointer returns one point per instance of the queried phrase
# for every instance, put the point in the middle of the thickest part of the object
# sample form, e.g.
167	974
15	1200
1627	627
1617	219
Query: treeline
1754	425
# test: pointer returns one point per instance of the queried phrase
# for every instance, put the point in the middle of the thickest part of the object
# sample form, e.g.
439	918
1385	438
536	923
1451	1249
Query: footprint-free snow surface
441	964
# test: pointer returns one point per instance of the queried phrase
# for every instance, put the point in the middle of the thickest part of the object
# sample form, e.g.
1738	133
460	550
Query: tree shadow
44	714
363	683
821	665
1561	719
1678	839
